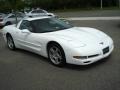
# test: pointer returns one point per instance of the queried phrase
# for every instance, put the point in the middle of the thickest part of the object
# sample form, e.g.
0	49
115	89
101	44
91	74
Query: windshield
38	11
49	25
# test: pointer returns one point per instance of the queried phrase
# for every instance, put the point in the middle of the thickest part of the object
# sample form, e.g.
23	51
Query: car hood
80	35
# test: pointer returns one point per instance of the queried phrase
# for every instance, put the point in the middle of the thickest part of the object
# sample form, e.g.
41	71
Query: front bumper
92	59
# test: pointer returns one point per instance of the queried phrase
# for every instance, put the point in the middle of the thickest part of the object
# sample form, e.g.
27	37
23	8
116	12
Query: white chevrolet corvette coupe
60	42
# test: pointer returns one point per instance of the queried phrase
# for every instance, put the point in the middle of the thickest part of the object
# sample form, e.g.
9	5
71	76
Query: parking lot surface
90	13
23	70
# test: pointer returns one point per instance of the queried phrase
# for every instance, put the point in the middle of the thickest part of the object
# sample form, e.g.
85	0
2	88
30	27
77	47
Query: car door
27	39
10	19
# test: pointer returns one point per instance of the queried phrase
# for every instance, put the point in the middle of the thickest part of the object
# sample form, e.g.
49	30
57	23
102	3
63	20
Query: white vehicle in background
10	19
60	42
39	12
2	15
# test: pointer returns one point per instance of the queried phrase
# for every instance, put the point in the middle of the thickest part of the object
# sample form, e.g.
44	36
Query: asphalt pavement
90	13
23	70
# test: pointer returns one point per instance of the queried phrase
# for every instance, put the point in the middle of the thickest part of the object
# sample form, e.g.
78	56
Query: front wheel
56	55
8	23
10	42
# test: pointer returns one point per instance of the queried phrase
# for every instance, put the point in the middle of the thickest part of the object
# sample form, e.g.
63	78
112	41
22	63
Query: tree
55	4
15	5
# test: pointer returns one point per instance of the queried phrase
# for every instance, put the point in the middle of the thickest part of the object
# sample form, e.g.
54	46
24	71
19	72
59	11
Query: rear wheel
10	42
56	55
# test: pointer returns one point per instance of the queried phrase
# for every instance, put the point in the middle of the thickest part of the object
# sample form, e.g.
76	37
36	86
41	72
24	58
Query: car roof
36	18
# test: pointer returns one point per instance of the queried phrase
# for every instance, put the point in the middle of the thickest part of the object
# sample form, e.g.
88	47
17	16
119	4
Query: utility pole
101	4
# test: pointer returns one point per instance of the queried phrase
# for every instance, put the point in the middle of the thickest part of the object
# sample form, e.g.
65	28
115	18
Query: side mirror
25	31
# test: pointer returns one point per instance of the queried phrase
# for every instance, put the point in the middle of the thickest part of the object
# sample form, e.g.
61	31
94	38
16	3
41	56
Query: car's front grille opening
87	62
86	57
91	56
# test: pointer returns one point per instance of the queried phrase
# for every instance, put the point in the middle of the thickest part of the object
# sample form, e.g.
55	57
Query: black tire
8	23
10	42
50	15
59	56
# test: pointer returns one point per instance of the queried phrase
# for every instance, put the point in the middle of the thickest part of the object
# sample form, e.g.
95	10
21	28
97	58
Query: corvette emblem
101	43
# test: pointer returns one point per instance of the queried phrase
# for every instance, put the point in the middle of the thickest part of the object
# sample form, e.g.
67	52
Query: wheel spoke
51	51
58	55
57	60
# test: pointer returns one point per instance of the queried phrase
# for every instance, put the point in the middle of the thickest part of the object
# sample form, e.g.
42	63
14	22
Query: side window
19	15
26	25
40	11
34	12
12	16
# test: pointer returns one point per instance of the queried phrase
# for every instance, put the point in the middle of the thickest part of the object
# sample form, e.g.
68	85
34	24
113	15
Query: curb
92	18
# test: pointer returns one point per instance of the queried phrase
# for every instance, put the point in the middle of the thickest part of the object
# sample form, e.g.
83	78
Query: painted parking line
93	18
